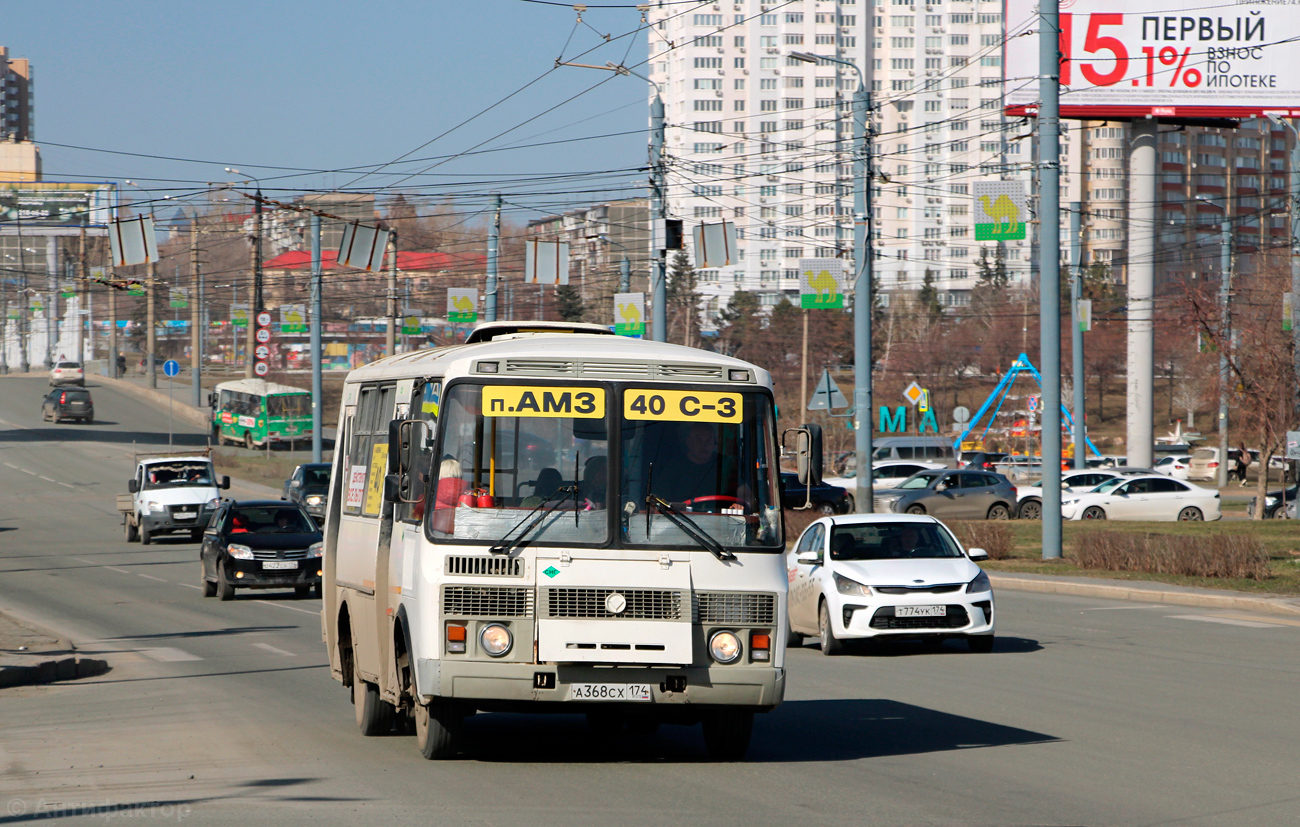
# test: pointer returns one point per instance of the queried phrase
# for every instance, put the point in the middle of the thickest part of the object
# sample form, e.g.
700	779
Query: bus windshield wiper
545	507
688	526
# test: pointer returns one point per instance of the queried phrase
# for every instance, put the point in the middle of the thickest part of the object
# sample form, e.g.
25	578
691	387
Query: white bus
551	518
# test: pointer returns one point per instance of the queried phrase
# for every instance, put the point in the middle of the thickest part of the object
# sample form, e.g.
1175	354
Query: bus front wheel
248	440
437	731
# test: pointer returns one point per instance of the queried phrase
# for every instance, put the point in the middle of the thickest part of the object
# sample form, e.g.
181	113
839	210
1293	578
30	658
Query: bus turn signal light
456	639
760	645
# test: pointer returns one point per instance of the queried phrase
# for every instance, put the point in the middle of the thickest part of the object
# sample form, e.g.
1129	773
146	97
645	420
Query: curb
1205	599
65	668
183	410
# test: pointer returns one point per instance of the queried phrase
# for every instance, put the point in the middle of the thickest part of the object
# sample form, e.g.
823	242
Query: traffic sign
260	368
262	335
262	352
171	367
924	405
827	395
961	414
263	319
913	393
1033	404
1293	444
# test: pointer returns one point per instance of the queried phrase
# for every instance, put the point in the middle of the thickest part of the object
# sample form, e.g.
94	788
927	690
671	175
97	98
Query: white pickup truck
170	493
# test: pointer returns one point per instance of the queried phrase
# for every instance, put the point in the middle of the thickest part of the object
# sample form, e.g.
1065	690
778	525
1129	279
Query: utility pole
625	275
83	299
315	339
196	318
52	299
803	369
493	256
1076	336
112	322
250	345
390	340
151	333
659	209
1049	269
1141	292
1225	339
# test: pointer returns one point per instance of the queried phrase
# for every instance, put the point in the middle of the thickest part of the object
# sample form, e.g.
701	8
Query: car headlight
979	584
315	499
1270	501
214	503
724	646
1068	502
495	639
239	552
315	549
155	506
844	585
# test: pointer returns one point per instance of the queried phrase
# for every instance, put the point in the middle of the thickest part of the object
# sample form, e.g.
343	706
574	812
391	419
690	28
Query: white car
1174	466
1148	497
1029	499
886	575
67	373
887	474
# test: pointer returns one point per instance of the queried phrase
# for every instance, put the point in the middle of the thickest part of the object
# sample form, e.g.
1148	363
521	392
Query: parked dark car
826	499
309	486
68	403
982	460
1273	502
957	495
260	544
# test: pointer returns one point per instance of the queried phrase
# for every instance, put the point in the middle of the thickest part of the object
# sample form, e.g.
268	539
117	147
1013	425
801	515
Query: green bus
256	412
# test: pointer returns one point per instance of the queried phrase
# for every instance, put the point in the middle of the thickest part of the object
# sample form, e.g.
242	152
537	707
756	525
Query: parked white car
887	474
886	575
1174	466
1029	499
1148	497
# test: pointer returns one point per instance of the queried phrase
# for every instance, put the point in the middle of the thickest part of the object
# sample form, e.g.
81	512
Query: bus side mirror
225	482
212	400
133	486
808	454
393	488
403	441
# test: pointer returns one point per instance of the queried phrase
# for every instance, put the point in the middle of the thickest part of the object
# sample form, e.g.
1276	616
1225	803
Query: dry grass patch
1218	555
994	536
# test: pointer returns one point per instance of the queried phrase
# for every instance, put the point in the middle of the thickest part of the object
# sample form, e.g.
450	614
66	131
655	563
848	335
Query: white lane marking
1227	621
119	571
48	479
187	585
65	485
290	608
147	577
1122	608
10	464
25	471
269	648
169	655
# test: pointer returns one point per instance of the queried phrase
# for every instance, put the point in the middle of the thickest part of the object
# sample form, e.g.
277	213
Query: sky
315	95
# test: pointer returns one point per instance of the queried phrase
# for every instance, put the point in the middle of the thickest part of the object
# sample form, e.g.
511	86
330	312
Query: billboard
821	284
56	204
1001	210
1166	60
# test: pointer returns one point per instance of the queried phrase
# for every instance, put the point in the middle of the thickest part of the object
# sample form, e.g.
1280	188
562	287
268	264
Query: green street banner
821	283
135	289
239	315
1085	315
411	325
1001	210
15	310
629	314
462	305
180	298
293	318
68	290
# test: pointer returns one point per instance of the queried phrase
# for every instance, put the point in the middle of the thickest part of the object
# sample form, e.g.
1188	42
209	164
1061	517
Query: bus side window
425	398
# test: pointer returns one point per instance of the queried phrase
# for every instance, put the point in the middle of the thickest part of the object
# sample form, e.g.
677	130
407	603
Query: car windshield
270	519
75	395
316	479
178	474
1108	485
892	541
1204	453
290	405
918	481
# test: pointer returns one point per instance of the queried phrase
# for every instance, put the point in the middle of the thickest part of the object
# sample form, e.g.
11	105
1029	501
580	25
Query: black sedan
309	486
260	544
1274	502
68	403
826	499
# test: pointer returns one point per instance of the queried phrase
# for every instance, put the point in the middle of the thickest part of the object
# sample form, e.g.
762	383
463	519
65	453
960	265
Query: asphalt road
1088	712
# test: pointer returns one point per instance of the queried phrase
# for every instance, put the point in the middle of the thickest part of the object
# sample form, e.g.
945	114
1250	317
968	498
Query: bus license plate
609	692
920	611
185	515
280	564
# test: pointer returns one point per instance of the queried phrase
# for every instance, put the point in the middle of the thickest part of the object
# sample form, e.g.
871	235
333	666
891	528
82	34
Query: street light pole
1295	236
196	314
151	334
250	345
863	298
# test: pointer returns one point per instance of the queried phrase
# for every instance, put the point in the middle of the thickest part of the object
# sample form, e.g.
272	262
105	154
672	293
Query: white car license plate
609	692
184	515
920	611
284	564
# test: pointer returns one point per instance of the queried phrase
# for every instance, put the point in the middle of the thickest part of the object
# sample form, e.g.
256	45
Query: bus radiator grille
642	604
740	608
488	566
486	601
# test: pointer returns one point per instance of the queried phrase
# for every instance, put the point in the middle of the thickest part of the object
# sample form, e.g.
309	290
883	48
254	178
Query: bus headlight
495	639
724	647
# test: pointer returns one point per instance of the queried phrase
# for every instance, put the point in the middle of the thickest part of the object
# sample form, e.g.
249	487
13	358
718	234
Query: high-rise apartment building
757	137
17	111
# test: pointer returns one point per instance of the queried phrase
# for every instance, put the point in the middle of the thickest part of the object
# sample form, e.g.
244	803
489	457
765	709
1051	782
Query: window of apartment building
934	20
932	232
707	20
793	82
711	40
931	254
708	212
767	20
767	106
767	232
708	63
989	103
902	63
1207	139
985	18
707	169
794	40
958	189
794	126
794	17
961	18
738	63
958	252
902	42
708	126
793	231
900	86
767	63
708	106
935	42
738	41
824	39
849	20
958	126
706	149
1207	160
958	232
848	42
769	41
794	252
767	190
1250	182
934	63
767	212
793	210
957	61
793	103
708	83
934	106
958	209
1246	162
736	149
824	103
794	189
991	60
990	39
767	83
902	20
957	83
767	255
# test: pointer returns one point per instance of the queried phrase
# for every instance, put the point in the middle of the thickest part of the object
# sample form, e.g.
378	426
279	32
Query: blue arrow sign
171	367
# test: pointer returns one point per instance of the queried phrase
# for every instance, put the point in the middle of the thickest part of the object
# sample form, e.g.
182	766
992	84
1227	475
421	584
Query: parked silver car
952	495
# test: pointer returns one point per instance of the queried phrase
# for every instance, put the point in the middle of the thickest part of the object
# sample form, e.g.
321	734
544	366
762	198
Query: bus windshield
514	453
289	405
